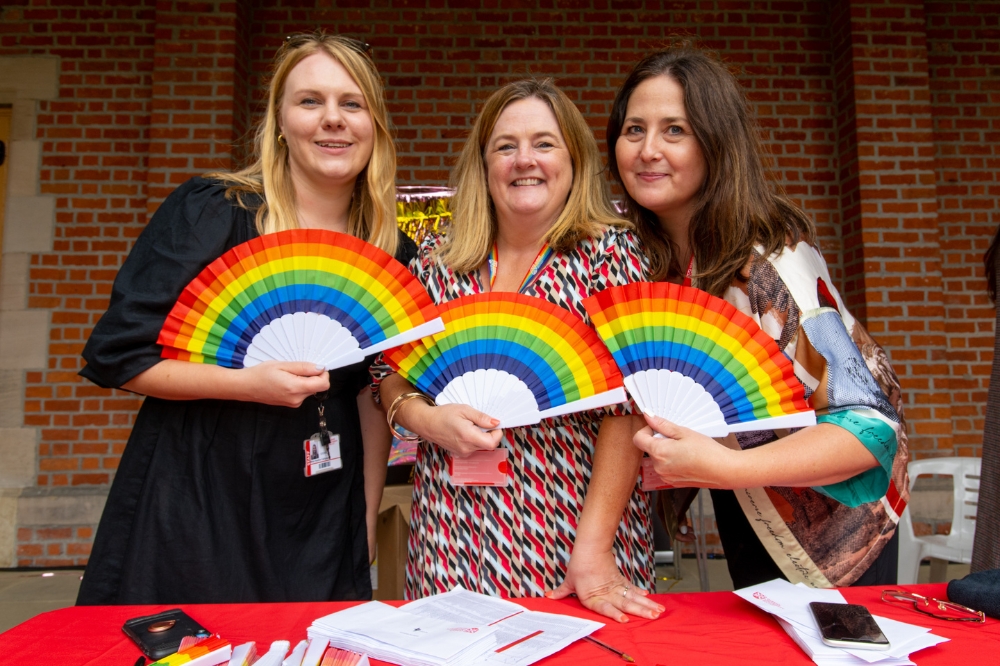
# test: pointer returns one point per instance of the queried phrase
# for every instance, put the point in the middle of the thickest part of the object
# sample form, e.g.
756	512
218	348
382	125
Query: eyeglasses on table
942	610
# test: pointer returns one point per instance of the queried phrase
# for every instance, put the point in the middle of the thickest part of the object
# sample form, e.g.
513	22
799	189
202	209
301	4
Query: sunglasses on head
298	39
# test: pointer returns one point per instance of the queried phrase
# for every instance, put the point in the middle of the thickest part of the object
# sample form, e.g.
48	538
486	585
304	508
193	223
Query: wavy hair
739	205
372	215
588	211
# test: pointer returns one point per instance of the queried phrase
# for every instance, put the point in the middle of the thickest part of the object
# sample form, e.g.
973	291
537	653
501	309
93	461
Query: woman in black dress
210	502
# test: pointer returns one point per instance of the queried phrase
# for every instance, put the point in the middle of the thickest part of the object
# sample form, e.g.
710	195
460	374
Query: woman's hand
459	429
601	587
284	383
281	383
683	457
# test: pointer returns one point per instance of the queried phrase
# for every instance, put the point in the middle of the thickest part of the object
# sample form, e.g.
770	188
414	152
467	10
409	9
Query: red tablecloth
705	628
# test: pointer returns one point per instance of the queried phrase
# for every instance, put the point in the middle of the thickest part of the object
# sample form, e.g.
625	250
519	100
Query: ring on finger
625	590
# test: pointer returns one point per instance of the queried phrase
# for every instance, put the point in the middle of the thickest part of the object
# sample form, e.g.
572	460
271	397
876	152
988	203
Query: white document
294	658
523	636
790	603
314	653
275	655
821	653
394	635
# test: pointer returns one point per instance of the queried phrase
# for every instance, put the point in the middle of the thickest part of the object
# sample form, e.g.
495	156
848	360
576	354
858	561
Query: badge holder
650	479
482	468
322	450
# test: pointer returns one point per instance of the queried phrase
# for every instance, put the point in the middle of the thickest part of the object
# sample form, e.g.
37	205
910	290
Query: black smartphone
849	626
160	635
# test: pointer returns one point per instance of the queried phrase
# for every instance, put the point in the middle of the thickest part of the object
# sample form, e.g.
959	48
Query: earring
281	140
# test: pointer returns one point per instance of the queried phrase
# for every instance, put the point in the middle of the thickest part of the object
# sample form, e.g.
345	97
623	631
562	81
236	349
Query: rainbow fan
696	360
300	295
517	358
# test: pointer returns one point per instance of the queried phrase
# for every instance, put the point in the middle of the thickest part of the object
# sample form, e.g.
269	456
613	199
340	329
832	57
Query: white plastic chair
956	546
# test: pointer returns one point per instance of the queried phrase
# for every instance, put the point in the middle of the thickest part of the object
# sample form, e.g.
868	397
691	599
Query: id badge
650	479
322	457
482	468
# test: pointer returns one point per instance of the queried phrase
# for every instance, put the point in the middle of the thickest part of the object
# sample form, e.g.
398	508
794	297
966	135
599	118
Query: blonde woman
531	214
210	503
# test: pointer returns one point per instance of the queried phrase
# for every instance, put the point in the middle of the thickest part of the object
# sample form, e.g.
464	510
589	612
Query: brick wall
882	119
964	64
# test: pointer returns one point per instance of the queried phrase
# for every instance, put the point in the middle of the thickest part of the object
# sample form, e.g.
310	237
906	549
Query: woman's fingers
638	603
462	430
484	421
285	383
624	600
666	428
603	606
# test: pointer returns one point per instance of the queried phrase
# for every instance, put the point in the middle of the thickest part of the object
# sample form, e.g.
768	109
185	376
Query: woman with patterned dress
571	519
818	505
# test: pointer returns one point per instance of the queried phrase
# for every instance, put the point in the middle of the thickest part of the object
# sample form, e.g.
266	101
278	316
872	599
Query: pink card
650	479
482	468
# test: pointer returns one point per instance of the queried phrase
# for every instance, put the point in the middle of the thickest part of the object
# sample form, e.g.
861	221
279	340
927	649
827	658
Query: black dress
209	503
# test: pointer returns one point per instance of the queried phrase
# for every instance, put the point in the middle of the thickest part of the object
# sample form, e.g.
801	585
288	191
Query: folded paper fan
517	358
696	360
299	295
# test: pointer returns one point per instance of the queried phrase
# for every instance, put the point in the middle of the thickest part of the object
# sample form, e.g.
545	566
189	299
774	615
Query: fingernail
320	367
548	595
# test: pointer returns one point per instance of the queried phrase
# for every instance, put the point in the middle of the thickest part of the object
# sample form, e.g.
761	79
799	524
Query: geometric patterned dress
516	541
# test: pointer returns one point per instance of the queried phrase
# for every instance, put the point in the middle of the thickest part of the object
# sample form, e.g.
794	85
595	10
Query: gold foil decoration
423	210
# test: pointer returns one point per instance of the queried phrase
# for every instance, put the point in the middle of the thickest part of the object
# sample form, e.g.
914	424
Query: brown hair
373	207
588	209
737	206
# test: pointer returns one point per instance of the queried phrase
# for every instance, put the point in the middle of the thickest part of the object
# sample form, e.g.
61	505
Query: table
699	628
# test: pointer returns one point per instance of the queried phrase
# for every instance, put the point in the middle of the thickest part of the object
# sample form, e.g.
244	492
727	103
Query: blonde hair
588	211
372	214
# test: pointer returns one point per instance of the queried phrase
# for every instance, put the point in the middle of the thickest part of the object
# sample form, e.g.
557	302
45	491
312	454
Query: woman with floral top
818	505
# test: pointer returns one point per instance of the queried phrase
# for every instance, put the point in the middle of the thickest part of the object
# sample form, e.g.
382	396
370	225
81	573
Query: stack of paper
452	629
790	605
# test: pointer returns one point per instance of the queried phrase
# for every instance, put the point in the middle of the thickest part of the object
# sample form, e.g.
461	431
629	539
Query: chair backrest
965	481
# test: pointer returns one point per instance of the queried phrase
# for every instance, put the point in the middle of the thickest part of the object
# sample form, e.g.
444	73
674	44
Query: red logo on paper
762	597
467	630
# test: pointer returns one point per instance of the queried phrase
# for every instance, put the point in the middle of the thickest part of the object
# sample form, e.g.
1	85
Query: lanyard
494	261
687	276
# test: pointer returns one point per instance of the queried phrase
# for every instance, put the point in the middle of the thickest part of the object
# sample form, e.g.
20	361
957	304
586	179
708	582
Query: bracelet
390	414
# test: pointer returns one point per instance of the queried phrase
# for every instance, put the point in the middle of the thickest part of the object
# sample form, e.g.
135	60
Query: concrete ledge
14	281
8	530
18	456
11	398
30	77
29	224
60	506
23	167
24	339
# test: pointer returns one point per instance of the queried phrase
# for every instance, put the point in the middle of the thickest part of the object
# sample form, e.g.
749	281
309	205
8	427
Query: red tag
650	479
482	468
